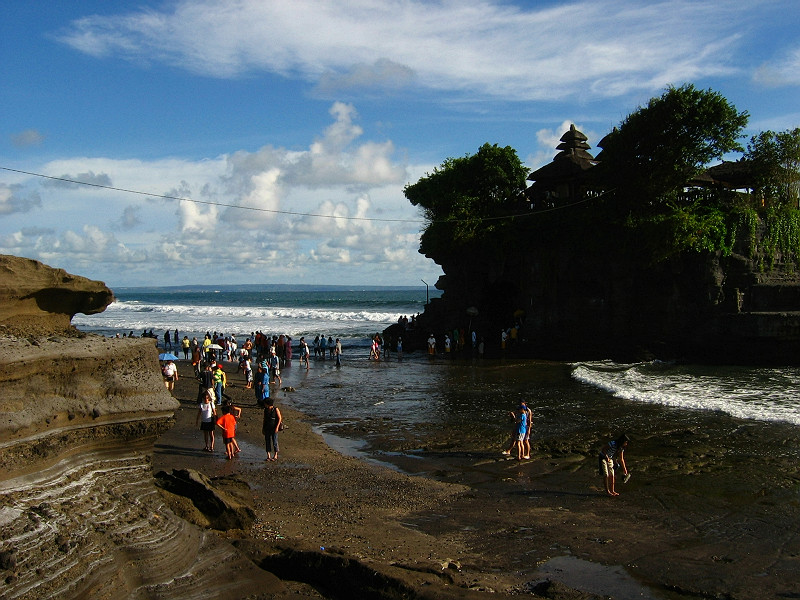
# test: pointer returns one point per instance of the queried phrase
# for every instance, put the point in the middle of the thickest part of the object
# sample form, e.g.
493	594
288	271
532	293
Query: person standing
220	382
304	351
185	346
337	352
167	341
526	443
613	454
170	372
227	422
270	427
248	374
399	348
431	345
275	368
261	384
205	419
520	417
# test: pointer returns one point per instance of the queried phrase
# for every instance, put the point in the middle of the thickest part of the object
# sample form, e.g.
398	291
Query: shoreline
705	514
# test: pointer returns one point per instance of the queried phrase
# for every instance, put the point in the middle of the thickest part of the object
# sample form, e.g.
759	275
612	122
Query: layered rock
39	299
80	516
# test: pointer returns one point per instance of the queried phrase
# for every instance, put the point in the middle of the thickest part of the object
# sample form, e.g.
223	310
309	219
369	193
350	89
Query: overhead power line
281	212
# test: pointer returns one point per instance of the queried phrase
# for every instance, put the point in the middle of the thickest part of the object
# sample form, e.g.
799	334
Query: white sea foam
748	393
240	320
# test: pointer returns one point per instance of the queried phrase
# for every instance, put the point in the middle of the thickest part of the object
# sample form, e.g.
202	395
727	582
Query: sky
259	141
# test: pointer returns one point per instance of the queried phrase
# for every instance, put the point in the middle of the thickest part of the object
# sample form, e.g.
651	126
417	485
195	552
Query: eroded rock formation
80	516
35	298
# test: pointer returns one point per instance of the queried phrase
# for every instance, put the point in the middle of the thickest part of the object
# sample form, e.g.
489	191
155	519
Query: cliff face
80	516
575	302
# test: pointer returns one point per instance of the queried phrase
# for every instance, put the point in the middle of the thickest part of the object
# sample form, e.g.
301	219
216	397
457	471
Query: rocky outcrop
597	300
80	516
35	298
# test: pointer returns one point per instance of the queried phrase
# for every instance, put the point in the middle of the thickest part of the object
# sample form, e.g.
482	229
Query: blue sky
286	131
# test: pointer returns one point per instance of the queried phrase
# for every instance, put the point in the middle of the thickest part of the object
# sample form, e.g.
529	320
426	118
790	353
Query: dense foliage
657	149
644	173
463	198
775	159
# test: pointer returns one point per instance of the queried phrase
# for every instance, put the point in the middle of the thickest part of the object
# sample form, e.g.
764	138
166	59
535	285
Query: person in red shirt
227	422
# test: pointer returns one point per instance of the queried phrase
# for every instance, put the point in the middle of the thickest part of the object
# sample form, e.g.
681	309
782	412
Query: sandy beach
710	512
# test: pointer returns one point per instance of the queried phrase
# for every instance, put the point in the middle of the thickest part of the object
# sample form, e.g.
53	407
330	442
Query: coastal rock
221	509
36	299
80	516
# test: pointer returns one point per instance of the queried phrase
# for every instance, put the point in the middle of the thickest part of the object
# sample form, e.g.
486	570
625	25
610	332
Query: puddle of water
594	578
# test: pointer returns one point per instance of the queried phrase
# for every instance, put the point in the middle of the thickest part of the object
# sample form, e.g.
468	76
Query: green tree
461	194
657	149
775	159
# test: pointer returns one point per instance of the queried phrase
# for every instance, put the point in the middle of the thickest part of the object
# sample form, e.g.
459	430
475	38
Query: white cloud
489	49
65	180
785	71
13	199
275	213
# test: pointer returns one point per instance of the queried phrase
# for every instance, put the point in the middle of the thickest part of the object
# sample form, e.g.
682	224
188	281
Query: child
205	418
237	413
227	422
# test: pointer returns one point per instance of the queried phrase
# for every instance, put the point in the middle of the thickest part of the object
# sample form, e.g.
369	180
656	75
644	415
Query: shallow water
403	406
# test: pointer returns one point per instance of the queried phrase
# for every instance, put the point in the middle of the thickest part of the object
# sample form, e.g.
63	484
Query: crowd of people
260	358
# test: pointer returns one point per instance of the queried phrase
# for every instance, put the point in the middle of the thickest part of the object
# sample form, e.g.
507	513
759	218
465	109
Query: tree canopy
657	149
462	193
775	159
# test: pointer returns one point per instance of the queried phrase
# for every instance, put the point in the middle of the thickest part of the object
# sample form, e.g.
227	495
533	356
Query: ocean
352	314
418	390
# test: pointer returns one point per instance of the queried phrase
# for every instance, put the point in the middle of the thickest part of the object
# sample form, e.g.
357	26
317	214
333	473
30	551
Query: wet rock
222	509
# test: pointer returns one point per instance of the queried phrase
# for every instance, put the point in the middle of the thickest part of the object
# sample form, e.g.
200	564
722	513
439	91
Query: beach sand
708	513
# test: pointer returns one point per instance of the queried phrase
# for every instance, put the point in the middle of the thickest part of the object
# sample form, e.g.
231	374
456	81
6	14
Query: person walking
170	373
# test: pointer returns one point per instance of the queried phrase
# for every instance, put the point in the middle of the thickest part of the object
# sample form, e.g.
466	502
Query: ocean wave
746	393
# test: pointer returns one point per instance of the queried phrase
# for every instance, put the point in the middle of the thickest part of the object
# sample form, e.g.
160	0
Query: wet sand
711	510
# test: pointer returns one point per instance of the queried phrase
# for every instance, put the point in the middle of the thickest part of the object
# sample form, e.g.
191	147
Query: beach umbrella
167	356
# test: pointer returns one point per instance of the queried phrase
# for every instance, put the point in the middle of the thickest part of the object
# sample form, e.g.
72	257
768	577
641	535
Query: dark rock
223	510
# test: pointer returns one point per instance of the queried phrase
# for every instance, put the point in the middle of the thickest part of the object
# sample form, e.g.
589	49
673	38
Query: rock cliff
80	516
574	296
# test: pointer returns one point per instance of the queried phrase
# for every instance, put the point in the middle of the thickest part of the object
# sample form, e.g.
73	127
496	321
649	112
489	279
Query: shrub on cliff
461	198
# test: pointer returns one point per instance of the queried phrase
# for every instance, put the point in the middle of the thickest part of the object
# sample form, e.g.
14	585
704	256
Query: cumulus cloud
27	138
488	49
13	199
334	171
285	213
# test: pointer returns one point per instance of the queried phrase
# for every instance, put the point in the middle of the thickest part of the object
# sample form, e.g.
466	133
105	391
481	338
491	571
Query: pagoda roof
734	175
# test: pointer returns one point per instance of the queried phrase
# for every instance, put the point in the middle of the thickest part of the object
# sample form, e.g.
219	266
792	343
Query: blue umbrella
167	356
